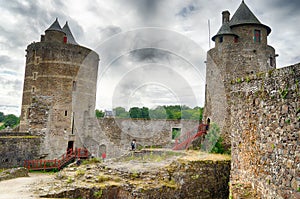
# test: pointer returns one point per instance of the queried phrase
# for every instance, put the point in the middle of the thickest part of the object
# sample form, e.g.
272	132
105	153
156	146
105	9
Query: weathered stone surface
191	175
13	173
265	136
15	148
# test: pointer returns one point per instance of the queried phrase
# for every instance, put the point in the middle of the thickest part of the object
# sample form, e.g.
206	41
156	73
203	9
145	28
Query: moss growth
247	79
70	180
98	194
152	156
79	172
135	175
91	161
103	178
20	137
288	121
284	93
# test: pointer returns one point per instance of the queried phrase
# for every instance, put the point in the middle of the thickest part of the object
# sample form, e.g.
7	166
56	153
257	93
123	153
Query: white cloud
176	30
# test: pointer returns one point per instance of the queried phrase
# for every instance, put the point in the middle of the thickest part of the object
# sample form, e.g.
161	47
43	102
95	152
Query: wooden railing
58	163
185	140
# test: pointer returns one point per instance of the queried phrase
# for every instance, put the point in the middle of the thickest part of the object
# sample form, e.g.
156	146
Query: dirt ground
21	188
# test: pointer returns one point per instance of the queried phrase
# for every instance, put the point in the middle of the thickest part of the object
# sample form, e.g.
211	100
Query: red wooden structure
59	163
185	140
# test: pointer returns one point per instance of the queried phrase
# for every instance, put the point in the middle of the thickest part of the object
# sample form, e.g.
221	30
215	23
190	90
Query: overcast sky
152	51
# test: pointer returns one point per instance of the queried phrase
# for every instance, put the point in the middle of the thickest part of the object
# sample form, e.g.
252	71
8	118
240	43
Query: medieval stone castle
256	105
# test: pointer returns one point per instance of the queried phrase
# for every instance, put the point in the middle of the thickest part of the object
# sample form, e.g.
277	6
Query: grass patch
103	178
98	194
79	172
91	161
48	171
152	156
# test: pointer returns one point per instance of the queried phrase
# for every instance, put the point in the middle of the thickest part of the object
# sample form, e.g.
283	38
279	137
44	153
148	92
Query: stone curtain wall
16	148
146	132
265	132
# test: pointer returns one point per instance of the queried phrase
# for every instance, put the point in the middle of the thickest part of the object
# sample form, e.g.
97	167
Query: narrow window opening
176	133
220	39
271	61
34	75
32	89
66	113
236	39
257	36
74	85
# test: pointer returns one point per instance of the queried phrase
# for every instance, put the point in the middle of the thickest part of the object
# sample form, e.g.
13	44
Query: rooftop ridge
55	26
243	15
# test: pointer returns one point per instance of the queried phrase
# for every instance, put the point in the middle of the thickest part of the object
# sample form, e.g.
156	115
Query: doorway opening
70	146
176	133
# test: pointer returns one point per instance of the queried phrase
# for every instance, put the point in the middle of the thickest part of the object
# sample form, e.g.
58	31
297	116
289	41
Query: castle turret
54	33
51	85
240	50
67	31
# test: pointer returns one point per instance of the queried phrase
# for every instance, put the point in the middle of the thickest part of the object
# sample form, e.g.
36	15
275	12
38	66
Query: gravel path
21	188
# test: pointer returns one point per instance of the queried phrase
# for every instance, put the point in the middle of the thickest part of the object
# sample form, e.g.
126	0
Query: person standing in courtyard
133	144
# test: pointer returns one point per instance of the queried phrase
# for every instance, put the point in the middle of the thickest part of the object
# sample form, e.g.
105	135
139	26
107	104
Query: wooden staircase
185	140
58	163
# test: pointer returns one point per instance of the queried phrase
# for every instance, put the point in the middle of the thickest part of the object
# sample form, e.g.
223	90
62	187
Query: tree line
173	112
9	120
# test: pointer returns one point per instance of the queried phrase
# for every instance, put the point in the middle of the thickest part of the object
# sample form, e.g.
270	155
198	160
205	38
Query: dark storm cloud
291	6
186	11
149	54
145	8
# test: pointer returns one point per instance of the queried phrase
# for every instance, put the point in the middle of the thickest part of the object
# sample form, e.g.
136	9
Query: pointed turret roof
70	38
224	30
55	26
244	15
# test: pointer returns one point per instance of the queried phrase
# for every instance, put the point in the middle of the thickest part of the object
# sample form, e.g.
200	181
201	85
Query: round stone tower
241	49
50	84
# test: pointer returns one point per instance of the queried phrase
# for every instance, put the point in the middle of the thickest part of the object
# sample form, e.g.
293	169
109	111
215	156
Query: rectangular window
66	113
74	85
35	75
32	89
257	36
271	61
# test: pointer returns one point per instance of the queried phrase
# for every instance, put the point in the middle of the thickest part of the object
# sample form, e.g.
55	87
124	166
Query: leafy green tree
11	121
1	117
135	112
158	113
99	113
213	140
145	113
187	114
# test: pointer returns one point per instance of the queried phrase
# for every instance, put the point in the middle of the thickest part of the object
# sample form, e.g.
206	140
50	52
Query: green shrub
98	194
213	141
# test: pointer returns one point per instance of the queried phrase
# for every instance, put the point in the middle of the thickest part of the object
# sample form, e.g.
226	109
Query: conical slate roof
244	15
224	30
70	38
55	26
